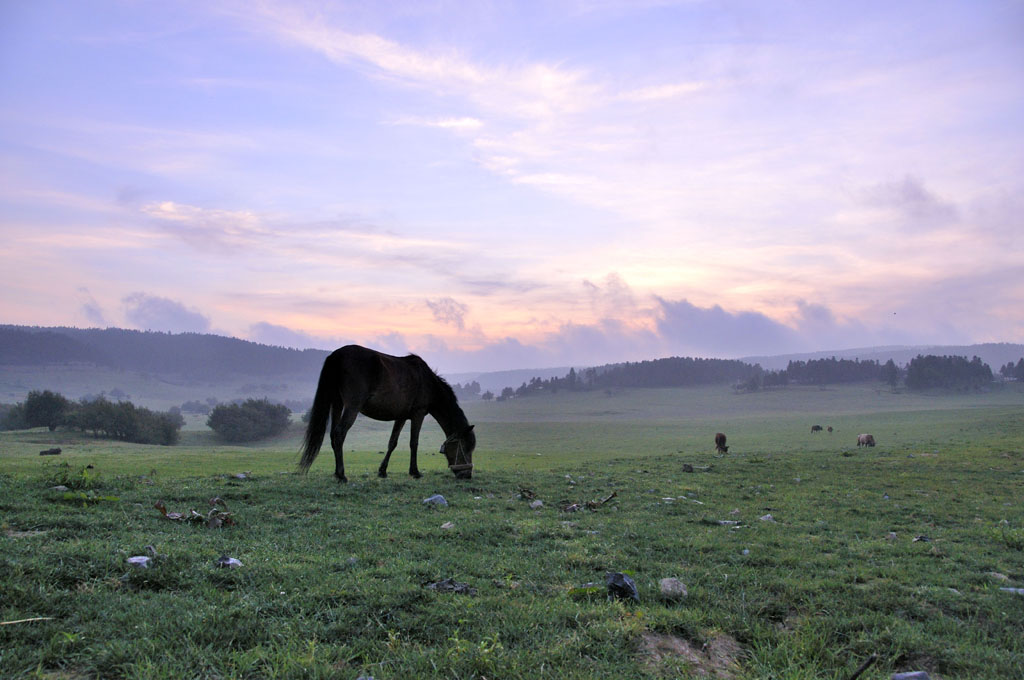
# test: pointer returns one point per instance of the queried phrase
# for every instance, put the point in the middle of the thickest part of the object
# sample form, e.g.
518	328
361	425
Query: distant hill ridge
995	354
198	355
185	354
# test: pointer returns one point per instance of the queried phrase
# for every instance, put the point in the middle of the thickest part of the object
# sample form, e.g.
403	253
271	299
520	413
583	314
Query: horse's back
384	386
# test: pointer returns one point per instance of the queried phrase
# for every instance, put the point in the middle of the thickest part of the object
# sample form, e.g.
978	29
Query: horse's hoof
415	474
342	479
382	473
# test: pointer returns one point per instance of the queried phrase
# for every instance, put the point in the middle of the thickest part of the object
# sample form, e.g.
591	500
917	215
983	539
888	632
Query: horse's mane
441	384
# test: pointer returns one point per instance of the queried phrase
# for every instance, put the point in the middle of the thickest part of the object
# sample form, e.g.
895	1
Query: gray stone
672	588
622	586
910	675
537	504
450	585
140	561
436	499
226	562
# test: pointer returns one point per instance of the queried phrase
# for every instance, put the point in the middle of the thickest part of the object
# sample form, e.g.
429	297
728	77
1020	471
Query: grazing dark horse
815	428
865	440
720	443
358	380
830	429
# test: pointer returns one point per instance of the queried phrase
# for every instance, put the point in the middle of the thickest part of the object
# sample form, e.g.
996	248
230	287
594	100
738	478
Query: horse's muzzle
462	471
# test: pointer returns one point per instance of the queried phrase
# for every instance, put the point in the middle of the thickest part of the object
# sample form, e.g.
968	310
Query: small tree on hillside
45	409
249	421
12	417
891	373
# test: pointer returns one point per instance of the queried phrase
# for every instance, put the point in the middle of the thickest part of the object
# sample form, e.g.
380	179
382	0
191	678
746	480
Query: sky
500	185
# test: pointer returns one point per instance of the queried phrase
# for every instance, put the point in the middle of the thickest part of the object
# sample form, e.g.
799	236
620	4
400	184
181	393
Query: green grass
333	582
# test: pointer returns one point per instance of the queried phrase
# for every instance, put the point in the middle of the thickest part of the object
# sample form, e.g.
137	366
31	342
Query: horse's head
458	449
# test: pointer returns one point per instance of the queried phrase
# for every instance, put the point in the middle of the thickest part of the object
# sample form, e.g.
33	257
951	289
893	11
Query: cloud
150	312
662	92
92	310
449	311
920	208
613	298
458	124
282	336
209	229
714	332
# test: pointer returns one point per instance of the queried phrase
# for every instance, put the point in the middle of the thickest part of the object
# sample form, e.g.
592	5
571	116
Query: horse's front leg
341	421
382	471
414	441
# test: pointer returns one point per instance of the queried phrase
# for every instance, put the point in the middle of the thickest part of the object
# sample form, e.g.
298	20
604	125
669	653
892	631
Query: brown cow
830	429
815	428
720	443
865	440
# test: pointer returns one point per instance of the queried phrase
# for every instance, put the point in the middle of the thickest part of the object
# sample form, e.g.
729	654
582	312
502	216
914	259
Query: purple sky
515	184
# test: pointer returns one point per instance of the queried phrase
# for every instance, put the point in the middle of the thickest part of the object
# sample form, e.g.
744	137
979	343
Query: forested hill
185	354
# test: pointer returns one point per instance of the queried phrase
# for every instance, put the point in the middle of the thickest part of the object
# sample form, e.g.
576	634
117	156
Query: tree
249	421
487	396
45	409
891	373
947	372
572	381
12	417
125	421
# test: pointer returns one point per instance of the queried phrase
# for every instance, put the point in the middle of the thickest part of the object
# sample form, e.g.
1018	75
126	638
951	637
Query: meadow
802	554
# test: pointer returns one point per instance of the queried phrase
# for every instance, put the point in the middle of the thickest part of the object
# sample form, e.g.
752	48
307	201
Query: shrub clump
249	421
125	421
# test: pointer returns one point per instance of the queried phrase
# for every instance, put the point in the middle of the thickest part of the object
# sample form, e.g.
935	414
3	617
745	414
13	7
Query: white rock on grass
672	588
436	499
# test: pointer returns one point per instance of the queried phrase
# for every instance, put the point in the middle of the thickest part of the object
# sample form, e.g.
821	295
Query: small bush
249	421
45	409
125	421
12	417
79	478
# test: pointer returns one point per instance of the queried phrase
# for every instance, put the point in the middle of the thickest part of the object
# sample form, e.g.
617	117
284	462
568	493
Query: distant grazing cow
50	452
720	443
815	428
830	429
865	440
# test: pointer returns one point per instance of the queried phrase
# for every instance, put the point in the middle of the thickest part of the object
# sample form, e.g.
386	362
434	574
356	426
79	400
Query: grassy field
334	578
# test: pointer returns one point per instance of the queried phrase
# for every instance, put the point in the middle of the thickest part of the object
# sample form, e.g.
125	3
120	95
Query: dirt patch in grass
11	533
717	658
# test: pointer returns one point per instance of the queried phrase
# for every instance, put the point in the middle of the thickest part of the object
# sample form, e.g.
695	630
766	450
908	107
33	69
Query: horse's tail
326	392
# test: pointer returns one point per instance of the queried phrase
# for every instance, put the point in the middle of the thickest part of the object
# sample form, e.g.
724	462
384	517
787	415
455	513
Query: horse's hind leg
341	421
382	471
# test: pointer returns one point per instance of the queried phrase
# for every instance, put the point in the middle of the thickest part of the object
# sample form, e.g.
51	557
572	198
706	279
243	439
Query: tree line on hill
247	421
197	355
1013	371
945	372
120	420
922	373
